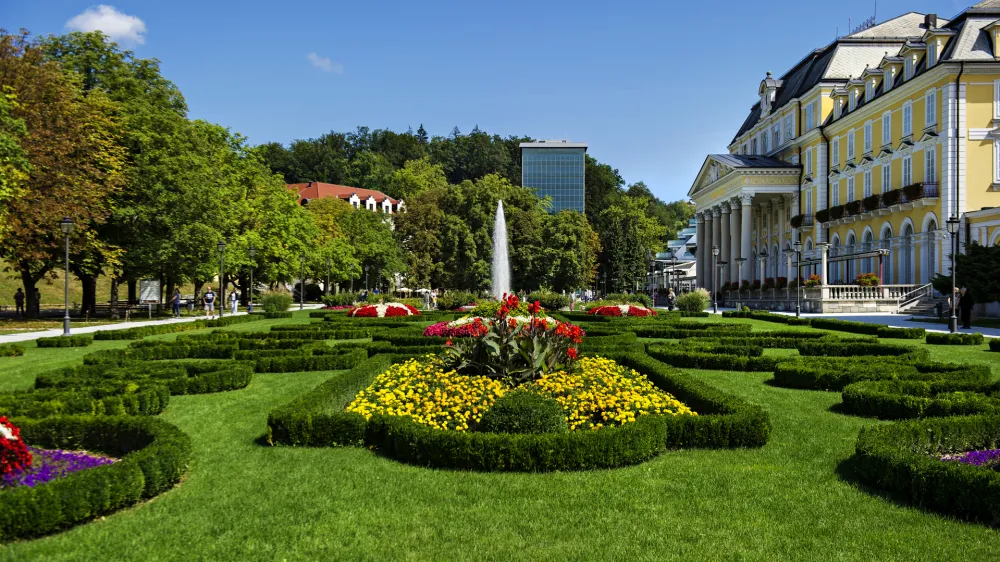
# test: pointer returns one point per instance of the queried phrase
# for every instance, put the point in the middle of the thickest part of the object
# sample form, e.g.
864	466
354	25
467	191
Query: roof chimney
931	21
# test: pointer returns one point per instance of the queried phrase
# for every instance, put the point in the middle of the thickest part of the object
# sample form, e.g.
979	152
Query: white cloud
116	25
325	64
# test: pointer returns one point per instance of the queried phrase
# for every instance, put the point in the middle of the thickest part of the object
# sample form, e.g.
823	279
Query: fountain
501	262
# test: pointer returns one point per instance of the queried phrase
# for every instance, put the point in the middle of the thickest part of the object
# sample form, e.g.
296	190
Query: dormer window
838	107
764	145
753	145
870	89
768	87
853	103
910	64
890	77
932	52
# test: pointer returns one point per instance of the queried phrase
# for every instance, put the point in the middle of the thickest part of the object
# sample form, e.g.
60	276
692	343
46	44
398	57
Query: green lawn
245	501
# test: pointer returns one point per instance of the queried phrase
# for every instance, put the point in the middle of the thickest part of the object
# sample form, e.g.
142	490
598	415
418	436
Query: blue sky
652	86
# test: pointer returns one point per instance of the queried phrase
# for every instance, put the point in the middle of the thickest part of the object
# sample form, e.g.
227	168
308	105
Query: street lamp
721	266
253	253
953	225
798	275
222	280
715	272
302	281
66	225
366	278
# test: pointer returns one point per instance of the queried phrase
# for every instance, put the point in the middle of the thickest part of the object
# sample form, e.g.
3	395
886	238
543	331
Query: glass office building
555	169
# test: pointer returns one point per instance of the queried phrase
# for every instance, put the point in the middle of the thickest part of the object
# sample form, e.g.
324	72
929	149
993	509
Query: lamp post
302	281
798	275
715	273
253	253
366	278
953	225
222	279
66	225
721	267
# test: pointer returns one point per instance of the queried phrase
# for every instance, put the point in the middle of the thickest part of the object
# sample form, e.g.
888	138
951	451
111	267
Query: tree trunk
114	297
132	297
31	304
244	290
88	305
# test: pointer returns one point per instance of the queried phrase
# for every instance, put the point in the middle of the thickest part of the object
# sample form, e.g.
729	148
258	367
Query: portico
744	205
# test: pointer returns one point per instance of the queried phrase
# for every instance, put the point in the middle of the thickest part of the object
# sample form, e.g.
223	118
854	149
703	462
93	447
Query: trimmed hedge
724	421
11	350
995	344
156	329
856	348
955	339
899	459
766	316
81	340
835	373
277	315
520	411
180	377
695	359
154	455
154	351
866	328
300	362
96	400
954	395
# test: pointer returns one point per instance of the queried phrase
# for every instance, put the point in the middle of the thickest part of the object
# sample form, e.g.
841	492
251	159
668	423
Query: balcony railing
872	203
799	221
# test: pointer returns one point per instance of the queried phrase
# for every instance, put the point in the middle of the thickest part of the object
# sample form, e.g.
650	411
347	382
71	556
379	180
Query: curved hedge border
858	348
954	339
11	350
835	373
80	340
154	455
698	359
868	329
318	419
897	458
960	394
143	331
767	317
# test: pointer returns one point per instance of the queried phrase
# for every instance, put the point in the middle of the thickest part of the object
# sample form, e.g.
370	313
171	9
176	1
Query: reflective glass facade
556	173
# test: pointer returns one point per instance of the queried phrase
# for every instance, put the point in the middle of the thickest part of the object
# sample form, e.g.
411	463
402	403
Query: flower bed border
155	455
724	421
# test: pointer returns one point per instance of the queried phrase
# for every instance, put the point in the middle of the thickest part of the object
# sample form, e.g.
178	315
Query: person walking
175	303
19	302
965	305
234	301
208	299
671	299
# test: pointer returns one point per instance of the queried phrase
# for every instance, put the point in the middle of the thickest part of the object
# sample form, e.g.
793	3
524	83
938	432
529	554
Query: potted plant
813	281
853	208
755	285
872	202
745	286
890	198
867	280
782	282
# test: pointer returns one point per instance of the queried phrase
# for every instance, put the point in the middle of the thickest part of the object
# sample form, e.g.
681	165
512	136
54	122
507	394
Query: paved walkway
893	321
29	336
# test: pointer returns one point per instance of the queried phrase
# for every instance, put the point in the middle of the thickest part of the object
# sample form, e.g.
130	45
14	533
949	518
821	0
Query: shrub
633	298
835	373
695	301
154	455
550	301
11	350
853	348
340	299
995	344
955	339
522	411
81	340
900	459
866	328
297	362
275	301
277	315
453	300
139	333
696	359
958	394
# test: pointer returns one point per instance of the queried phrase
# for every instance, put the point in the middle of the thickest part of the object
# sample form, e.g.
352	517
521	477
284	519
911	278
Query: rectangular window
907	170
850	189
868	137
907	120
931	55
764	145
753	146
809	117
850	145
868	183
789	133
836	195
886	177
908	67
836	153
809	202
887	78
776	136
887	129
930	113
809	162
930	165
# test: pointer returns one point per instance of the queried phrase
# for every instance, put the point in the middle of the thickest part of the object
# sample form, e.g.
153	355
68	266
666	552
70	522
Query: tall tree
415	177
570	253
627	236
14	165
601	183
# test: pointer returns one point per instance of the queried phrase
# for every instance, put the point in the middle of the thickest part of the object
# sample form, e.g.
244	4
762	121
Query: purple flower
52	464
975	458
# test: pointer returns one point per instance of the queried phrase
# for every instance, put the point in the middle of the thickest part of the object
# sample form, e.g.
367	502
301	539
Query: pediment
711	171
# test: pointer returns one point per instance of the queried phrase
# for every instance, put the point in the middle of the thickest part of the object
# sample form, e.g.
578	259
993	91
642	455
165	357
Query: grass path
244	501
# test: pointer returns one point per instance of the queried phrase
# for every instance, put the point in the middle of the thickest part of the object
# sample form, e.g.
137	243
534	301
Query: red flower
14	454
512	301
535	307
503	311
448	343
512	323
571	352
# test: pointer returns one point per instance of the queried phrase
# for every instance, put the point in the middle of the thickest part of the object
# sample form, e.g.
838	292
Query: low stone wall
810	301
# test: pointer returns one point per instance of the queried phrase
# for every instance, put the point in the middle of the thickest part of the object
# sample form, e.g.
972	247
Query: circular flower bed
52	464
386	310
477	326
622	310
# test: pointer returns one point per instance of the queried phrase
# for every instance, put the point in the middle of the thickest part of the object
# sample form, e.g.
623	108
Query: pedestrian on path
234	301
19	302
965	305
209	301
175	303
671	299
38	303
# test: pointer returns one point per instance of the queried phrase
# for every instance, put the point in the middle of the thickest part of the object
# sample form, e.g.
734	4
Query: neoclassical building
863	151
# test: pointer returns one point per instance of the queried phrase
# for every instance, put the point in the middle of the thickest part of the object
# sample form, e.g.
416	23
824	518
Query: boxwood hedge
154	455
696	359
79	340
955	339
902	459
995	344
143	331
866	328
956	394
11	350
835	373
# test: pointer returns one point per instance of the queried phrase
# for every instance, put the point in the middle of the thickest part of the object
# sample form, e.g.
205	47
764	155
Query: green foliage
855	348
340	299
294	363
523	411
141	332
154	456
453	300
629	298
900	459
959	393
955	339
80	340
627	238
549	301
835	373
694	301
995	344
489	309
11	350
867	328
716	360
276	301
977	268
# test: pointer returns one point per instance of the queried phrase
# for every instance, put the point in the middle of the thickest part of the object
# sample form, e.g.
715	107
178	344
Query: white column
746	223
698	253
724	242
735	231
824	249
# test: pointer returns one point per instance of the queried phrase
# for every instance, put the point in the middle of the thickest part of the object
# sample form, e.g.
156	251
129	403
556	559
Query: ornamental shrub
694	301
955	339
275	301
627	298
139	333
697	359
522	411
81	340
453	300
11	350
277	315
867	328
340	299
958	394
549	300
995	344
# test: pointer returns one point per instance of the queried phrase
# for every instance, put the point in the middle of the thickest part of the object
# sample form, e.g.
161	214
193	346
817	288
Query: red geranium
14	454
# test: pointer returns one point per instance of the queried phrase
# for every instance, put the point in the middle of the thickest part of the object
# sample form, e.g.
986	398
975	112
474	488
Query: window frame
850	190
907	119
868	137
907	167
887	128
930	108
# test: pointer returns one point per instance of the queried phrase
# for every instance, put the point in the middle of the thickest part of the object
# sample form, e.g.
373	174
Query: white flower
7	433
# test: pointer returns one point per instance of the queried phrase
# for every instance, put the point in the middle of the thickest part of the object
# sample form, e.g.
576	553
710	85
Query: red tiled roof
319	190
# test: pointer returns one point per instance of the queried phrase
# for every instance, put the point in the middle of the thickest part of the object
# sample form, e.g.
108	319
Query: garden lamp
953	225
66	225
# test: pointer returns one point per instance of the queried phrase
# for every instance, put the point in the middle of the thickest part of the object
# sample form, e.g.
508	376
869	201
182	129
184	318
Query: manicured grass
245	501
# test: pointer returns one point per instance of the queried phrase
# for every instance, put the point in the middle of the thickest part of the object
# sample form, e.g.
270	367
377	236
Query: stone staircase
928	307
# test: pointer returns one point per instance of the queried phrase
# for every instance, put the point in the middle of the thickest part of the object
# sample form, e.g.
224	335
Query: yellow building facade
862	152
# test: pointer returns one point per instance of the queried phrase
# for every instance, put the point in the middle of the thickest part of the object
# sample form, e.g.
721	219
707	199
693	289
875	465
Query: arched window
835	271
931	265
906	256
885	243
808	255
868	264
851	266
